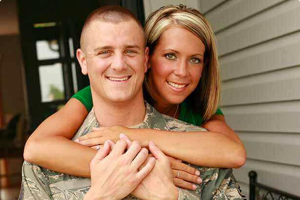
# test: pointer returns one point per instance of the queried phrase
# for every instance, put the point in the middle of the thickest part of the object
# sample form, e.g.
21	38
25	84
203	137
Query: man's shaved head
111	14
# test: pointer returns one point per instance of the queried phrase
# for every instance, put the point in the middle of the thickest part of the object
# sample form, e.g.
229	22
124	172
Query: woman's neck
171	110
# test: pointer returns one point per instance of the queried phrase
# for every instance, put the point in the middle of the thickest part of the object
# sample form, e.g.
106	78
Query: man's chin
120	98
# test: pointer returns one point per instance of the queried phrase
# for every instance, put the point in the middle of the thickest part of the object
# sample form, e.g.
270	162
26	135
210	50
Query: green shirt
186	112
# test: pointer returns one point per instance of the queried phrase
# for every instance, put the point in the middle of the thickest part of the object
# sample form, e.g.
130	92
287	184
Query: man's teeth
118	79
176	85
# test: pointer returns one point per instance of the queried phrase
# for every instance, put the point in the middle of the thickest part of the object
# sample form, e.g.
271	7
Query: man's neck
127	114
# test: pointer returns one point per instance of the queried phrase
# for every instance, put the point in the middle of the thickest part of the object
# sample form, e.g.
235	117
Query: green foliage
55	92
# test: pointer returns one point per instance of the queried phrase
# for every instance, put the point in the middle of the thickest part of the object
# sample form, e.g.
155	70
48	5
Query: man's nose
119	62
181	69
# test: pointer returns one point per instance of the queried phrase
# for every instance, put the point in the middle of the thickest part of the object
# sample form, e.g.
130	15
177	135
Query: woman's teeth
176	85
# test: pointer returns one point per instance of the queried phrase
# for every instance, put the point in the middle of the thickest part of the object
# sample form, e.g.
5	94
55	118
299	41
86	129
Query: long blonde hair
205	98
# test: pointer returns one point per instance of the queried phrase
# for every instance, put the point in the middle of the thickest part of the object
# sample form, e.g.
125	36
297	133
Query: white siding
210	4
259	52
152	5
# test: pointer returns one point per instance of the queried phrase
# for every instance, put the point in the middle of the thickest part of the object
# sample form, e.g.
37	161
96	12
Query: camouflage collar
153	120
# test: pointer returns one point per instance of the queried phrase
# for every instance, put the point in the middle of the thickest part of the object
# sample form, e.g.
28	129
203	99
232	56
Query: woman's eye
195	60
170	56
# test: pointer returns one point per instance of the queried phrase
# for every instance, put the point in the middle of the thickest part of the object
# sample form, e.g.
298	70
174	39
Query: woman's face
176	66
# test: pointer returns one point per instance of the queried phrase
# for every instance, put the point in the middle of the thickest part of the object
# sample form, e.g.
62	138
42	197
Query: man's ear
146	63
82	61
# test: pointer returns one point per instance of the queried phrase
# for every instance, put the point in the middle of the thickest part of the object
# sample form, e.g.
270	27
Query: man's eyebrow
134	46
102	48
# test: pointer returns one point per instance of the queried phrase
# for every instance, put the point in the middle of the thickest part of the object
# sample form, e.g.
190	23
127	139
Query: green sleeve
188	115
85	97
219	112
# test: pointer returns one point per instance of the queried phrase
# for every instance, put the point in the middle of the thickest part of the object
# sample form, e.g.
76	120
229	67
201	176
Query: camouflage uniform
41	183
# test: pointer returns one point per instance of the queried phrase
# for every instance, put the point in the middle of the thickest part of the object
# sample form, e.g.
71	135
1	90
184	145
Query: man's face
115	60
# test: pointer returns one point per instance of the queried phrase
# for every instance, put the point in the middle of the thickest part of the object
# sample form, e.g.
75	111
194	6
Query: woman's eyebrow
197	54
171	50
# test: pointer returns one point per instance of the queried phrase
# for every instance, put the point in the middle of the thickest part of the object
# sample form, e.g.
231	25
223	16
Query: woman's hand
99	135
184	176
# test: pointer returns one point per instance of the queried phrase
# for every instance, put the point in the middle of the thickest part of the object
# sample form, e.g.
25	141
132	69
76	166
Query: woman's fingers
91	135
184	167
97	147
99	128
186	176
174	159
93	141
183	184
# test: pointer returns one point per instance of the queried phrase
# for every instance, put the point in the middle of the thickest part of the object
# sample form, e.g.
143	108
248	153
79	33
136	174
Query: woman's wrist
140	135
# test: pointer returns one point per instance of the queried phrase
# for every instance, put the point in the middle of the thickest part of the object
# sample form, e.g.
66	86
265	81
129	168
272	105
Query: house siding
259	53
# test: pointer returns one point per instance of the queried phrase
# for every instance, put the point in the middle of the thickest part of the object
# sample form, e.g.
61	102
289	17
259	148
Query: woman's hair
205	98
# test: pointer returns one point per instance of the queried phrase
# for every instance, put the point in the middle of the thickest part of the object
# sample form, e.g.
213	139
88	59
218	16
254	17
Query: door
50	32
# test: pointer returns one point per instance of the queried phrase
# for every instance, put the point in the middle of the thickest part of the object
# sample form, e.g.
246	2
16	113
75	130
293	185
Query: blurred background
259	53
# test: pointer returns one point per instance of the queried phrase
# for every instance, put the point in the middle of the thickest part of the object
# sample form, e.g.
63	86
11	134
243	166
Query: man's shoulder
87	126
181	126
42	183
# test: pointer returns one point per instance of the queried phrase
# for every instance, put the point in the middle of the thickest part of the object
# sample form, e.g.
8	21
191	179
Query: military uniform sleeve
218	184
228	190
35	185
187	195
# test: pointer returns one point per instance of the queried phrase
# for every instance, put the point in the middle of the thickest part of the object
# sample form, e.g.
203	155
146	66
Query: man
114	56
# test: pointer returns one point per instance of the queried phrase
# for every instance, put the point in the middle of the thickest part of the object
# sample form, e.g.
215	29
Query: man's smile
118	79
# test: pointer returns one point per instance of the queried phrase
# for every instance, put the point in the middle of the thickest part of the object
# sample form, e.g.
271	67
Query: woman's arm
218	124
50	146
200	148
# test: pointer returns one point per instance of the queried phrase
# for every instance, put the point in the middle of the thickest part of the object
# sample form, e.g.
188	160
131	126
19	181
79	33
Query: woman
182	50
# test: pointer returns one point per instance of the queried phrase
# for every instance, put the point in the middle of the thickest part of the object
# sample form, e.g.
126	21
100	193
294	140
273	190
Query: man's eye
130	51
195	61
103	52
170	56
